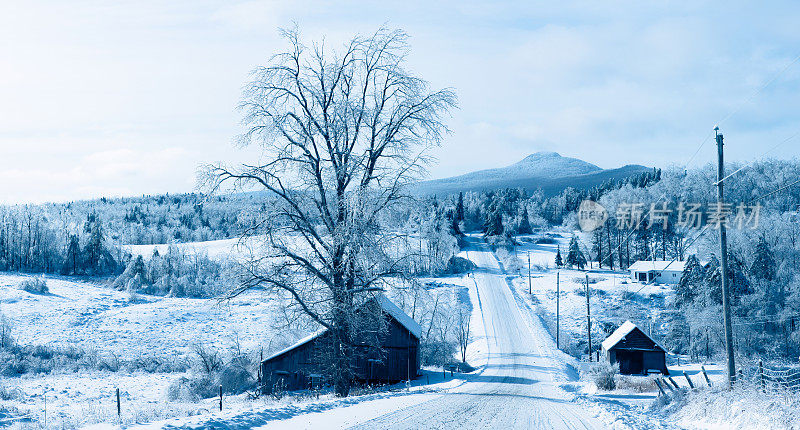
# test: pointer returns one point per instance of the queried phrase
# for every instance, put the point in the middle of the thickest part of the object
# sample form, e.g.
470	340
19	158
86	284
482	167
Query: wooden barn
298	366
634	351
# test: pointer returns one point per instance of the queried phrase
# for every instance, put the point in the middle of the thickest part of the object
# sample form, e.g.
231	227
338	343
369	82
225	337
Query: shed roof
657	266
386	305
392	309
620	333
300	342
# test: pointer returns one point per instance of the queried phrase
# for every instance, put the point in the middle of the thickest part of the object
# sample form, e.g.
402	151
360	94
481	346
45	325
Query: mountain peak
541	156
544	169
549	164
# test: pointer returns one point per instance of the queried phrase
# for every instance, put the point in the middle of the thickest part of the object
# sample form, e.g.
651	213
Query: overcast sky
125	98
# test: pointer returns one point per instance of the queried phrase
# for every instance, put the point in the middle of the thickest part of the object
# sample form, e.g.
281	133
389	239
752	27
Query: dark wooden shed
298	366
634	351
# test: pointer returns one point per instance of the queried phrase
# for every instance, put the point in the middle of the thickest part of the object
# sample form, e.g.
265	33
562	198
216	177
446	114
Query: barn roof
390	308
657	266
620	333
300	342
387	305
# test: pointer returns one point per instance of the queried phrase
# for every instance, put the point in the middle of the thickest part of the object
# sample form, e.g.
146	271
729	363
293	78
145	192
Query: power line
773	192
759	90
702	143
757	158
742	104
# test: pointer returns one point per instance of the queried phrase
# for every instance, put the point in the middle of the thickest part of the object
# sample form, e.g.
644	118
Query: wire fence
778	378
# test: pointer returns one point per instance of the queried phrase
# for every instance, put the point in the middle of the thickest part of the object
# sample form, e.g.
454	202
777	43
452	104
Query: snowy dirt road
519	387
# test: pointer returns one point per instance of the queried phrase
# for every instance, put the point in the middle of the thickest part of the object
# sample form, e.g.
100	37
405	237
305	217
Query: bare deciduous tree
463	318
342	133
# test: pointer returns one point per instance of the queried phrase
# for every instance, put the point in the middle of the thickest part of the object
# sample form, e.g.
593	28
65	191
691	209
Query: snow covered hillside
95	317
137	343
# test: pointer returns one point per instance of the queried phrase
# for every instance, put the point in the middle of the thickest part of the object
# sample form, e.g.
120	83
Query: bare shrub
208	360
582	280
593	291
191	388
6	340
235	378
36	285
639	384
211	371
604	376
437	352
7	393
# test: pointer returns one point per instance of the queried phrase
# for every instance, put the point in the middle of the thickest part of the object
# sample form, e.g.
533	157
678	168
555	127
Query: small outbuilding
396	359
657	271
634	351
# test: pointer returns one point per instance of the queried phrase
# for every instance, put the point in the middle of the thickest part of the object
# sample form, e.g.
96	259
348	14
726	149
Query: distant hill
546	170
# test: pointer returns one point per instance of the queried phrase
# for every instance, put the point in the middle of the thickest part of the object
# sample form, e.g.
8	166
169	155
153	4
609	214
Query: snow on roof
657	266
387	305
302	341
618	335
625	329
390	308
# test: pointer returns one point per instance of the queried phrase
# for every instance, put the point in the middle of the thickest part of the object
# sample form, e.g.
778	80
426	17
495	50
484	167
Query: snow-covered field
212	248
95	317
115	328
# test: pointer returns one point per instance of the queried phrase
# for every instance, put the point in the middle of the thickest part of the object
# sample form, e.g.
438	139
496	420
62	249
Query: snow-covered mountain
546	170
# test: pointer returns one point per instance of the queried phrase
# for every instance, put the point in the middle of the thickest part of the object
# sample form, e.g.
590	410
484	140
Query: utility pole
558	310
529	273
723	245
588	318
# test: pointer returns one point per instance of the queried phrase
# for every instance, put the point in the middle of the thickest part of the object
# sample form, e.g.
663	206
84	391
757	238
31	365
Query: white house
656	271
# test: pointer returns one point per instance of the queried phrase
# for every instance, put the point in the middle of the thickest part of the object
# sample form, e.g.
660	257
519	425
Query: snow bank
744	407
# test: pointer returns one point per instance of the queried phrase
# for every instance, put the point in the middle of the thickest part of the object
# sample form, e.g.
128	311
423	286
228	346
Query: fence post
661	390
691	385
708	381
673	381
761	374
259	366
119	407
220	398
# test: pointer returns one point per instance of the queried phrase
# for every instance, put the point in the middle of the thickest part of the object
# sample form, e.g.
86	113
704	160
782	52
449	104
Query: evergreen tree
460	208
677	334
524	224
738	282
763	266
574	256
559	261
455	228
97	259
686	291
73	257
494	223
